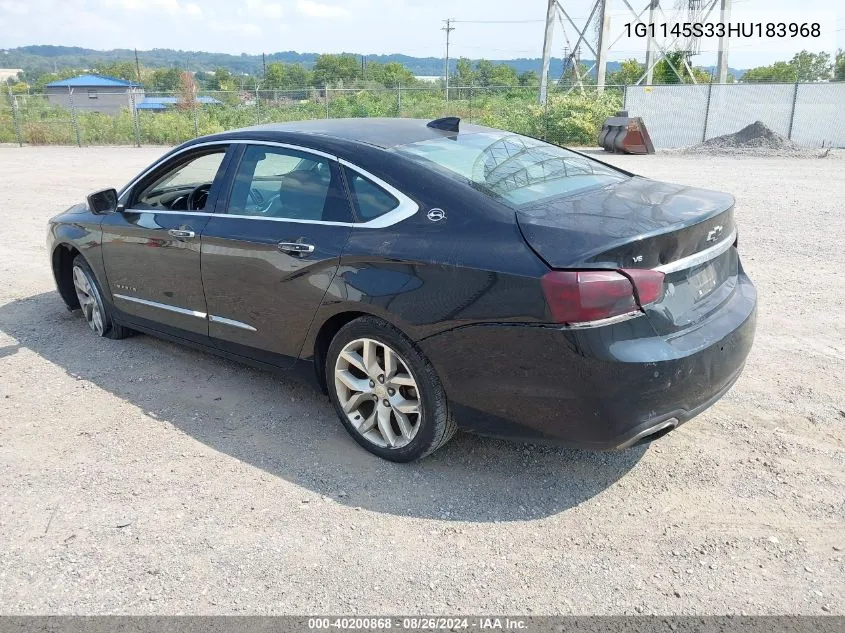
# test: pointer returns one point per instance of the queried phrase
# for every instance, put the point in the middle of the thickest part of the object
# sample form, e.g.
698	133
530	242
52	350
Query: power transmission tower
137	67
448	28
551	11
722	58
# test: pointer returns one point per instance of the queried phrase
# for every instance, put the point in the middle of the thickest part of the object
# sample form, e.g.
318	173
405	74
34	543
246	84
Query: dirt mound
758	134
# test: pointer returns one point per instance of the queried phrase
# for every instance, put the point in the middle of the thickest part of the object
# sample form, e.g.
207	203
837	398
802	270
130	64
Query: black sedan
435	275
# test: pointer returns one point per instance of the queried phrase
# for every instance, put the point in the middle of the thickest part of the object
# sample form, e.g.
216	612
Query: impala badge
714	233
435	215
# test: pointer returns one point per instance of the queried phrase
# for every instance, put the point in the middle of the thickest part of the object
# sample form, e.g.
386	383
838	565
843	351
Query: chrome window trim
238	324
163	306
405	210
700	257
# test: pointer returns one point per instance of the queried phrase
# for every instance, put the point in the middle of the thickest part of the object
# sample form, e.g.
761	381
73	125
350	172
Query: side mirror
102	202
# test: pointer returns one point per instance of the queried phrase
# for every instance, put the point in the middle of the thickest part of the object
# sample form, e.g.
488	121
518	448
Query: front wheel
91	303
386	393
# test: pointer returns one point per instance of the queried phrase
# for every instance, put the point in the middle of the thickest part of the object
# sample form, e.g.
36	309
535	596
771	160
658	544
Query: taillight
578	296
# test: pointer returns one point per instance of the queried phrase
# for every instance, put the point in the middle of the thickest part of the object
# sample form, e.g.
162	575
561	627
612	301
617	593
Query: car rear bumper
600	388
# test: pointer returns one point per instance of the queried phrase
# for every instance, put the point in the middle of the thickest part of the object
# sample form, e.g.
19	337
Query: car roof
380	132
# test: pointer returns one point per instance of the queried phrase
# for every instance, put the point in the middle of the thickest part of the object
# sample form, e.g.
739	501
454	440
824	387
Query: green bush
573	119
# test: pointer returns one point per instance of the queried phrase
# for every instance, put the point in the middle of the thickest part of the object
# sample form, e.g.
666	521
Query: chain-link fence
161	118
676	115
811	114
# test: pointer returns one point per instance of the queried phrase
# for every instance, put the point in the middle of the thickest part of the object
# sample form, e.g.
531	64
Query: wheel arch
319	338
62	265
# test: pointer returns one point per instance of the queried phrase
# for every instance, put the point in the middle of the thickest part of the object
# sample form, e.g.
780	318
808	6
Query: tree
187	91
164	80
222	80
803	66
529	79
839	68
571	78
664	70
484	72
390	74
118	70
275	76
503	75
464	75
331	69
630	71
777	72
811	66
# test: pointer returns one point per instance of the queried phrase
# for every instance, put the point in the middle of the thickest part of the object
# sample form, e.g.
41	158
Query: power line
497	21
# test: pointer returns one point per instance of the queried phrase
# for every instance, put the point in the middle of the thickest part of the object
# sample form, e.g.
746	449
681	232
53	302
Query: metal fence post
257	107
792	112
707	113
197	117
470	102
399	99
135	122
13	99
73	117
327	102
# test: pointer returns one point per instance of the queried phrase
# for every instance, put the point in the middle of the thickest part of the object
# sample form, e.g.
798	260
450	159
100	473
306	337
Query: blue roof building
92	81
93	93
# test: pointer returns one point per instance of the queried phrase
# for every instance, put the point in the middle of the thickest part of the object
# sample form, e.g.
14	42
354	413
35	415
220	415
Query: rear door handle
296	248
181	233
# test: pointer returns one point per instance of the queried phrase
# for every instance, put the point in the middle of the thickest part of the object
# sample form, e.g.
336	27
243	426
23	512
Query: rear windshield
512	168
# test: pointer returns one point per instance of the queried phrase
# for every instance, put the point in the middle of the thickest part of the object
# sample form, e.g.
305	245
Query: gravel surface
141	477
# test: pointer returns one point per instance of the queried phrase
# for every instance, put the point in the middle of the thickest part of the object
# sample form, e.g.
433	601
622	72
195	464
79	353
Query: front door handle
181	233
296	248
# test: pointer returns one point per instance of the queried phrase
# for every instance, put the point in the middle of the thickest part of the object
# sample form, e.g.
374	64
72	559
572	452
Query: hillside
39	59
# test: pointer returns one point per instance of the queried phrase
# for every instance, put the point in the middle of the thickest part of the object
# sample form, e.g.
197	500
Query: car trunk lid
685	232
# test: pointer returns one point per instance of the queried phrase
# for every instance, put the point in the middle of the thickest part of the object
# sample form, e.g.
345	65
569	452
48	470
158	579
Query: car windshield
515	169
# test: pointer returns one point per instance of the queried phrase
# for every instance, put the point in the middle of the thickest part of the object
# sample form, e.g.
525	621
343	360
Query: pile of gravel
756	139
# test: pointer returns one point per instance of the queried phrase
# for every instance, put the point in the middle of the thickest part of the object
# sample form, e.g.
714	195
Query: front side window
371	201
512	168
275	182
185	187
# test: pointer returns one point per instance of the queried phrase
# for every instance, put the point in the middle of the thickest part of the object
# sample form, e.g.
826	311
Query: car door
151	246
272	249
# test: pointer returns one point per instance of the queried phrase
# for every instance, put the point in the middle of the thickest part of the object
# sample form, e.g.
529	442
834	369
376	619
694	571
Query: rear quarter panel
428	276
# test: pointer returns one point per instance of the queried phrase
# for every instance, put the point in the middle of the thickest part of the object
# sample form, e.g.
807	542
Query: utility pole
551	10
137	67
722	58
264	66
604	41
363	68
649	53
448	28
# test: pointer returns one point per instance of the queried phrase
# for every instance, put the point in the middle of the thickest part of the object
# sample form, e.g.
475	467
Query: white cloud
260	8
318	10
169	7
18	8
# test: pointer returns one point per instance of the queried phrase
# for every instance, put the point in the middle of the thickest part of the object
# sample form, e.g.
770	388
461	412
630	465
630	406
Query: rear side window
276	182
371	201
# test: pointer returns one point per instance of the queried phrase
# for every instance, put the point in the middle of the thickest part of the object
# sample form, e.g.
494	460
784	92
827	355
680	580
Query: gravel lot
141	477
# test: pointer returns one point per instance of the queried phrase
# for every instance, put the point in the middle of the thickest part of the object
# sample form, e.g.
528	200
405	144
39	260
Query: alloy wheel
378	393
88	302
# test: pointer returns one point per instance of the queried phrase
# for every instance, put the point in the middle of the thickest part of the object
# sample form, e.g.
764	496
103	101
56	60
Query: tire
95	311
403	418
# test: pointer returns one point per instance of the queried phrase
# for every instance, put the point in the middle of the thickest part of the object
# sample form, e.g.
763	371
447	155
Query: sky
412	27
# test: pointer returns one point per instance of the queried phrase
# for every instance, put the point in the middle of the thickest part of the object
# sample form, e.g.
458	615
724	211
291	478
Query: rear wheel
91	303
386	393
